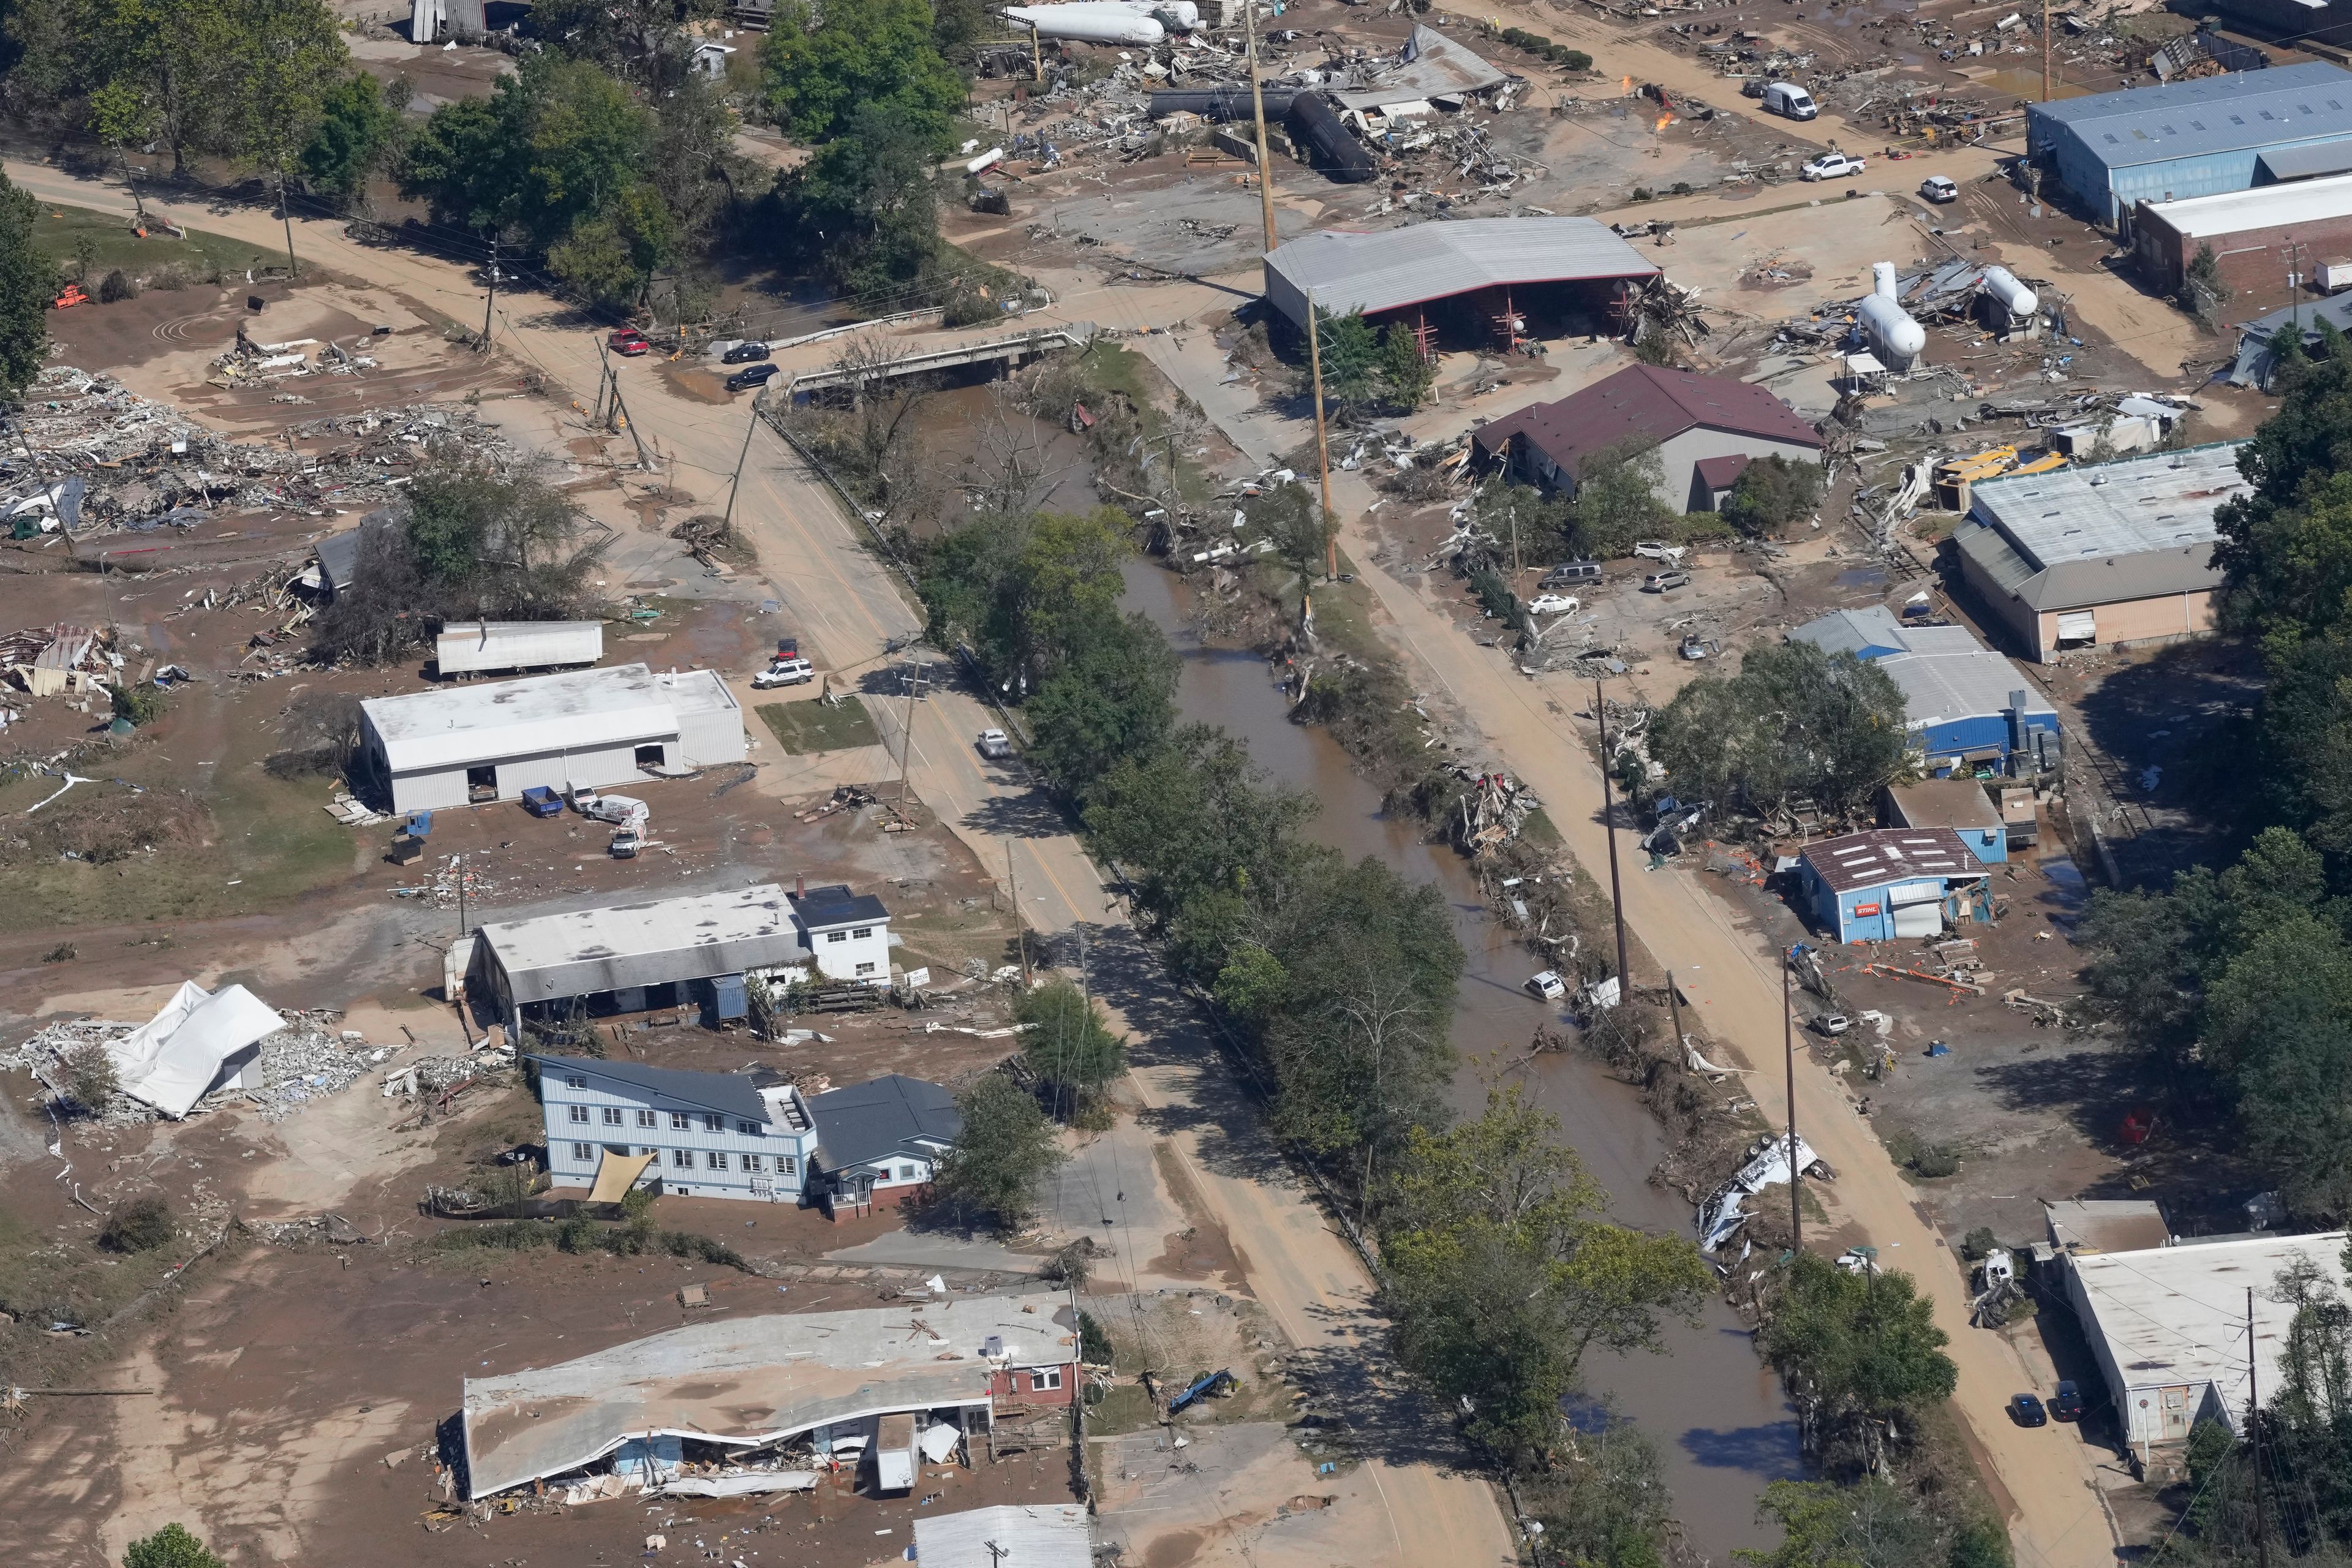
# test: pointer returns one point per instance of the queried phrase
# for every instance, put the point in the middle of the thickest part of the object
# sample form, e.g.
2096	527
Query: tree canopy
1067	1043
822	68
1794	722
1859	1347
1002	1153
28	281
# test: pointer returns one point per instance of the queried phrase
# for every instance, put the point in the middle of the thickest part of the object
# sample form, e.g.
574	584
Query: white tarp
746	1485
173	1059
938	1441
1720	1217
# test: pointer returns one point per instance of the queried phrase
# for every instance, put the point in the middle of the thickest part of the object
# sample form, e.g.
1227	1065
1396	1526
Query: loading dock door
1919	920
2078	625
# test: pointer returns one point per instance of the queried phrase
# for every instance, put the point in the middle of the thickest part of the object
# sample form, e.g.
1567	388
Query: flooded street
1719	1420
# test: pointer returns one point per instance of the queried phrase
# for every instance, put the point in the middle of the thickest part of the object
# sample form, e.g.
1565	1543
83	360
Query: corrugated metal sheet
2209	114
2107	532
709	720
1350	272
468	647
469	725
1011	1535
666	939
2307	162
2265	206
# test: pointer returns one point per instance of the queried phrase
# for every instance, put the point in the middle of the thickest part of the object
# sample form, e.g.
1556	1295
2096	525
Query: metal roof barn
588	951
470	648
2185	139
459	725
1351	272
1890	855
2167	1324
746	1382
1010	1535
2132	529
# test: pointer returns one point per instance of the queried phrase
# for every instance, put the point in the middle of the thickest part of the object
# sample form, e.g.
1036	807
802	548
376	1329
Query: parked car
1570	572
2026	1411
1832	166
1554	604
1694	647
790	648
629	342
1786	98
744	354
784	672
583	800
618	808
627	841
993	744
1832	1024
1664	582
2066	1401
751	376
1938	189
1547	985
1658	550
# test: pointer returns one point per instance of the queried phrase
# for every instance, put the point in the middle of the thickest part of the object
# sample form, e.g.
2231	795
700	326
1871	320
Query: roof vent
992	1346
2099	479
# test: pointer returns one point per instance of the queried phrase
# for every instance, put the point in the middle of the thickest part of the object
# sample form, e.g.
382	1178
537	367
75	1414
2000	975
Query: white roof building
463	745
476	647
2168	1325
1011	1535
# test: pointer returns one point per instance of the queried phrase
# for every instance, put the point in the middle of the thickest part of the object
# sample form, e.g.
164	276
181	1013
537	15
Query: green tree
1795	722
554	144
1350	354
876	55
1858	1347
289	55
170	1547
28	281
1503	1272
1002	1153
1616	503
1868	1524
611	256
1302	532
1773	493
168	70
1067	1044
1406	374
1113	696
1027	591
359	133
865	210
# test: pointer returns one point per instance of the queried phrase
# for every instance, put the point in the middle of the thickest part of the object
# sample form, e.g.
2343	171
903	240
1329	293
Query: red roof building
1706	429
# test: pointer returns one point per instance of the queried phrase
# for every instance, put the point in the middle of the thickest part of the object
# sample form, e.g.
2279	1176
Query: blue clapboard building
1969	709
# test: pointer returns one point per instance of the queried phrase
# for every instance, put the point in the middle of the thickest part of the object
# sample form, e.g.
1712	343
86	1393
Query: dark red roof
1722	473
1644	403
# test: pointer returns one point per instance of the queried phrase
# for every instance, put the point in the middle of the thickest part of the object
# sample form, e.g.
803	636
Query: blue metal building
2198	138
1969	708
1893	882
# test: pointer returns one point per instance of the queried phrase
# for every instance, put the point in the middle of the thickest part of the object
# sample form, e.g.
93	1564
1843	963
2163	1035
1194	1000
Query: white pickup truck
1832	166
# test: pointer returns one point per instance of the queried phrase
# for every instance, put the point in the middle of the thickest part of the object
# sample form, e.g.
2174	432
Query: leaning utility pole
1258	105
736	479
1609	825
2254	1431
492	303
285	211
1322	444
1789	1060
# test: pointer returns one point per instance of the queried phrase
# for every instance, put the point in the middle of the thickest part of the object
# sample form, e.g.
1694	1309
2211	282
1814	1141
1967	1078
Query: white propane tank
1085	26
1894	336
1881	279
2020	302
1185	14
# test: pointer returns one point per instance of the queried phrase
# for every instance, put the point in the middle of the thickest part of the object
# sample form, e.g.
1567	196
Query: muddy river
1719	1418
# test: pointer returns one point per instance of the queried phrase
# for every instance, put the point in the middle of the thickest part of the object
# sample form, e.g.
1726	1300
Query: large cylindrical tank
2020	302
1184	14
1338	153
1893	335
1881	279
1220	103
1089	26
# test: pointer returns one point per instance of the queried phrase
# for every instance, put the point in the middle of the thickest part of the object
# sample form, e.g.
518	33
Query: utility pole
740	458
2254	1430
2294	288
906	743
1257	104
490	303
1020	928
1322	443
1675	1007
1789	1058
293	267
461	895
2045	51
1609	825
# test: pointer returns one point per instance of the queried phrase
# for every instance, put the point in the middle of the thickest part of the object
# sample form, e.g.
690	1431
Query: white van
1787	98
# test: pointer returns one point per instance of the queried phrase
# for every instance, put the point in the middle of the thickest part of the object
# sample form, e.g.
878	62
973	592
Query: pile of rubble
133	465
307	1059
1491	810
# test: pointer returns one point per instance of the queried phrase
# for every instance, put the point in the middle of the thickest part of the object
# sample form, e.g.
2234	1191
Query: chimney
800	884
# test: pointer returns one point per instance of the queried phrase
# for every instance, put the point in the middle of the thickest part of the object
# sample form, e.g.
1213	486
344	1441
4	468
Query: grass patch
633	1238
70	234
1537	830
802	728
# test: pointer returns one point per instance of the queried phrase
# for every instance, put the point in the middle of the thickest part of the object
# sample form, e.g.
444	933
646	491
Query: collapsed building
776	1396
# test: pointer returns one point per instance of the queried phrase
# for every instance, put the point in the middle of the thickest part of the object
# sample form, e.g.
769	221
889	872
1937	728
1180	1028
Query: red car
630	342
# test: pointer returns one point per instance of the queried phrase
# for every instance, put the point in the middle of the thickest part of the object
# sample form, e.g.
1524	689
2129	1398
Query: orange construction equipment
71	297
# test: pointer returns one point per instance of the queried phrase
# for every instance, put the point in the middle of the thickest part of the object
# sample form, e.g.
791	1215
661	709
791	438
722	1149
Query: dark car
2026	1411
2066	1401
744	353
751	375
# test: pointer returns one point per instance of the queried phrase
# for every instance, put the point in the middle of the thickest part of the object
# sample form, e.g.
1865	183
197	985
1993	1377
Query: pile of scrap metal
1722	1216
58	660
249	361
1660	303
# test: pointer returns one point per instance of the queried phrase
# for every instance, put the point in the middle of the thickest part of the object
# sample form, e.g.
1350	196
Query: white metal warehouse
482	648
460	745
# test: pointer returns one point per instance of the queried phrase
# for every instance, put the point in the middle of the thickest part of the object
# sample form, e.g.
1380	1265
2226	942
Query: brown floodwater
1719	1419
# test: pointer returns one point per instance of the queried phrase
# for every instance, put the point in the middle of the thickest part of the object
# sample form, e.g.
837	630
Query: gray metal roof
1382	271
460	726
666	939
2258	360
746	1382
2268	207
2229	113
734	1093
1943	672
2307	162
2100	534
1944	803
1430	65
1865	633
892	1115
1010	1535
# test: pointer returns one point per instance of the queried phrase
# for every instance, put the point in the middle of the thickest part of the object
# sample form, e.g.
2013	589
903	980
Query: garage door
2078	625
1919	920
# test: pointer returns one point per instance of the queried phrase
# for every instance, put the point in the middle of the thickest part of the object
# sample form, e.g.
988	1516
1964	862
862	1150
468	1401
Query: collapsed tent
200	1041
1720	1217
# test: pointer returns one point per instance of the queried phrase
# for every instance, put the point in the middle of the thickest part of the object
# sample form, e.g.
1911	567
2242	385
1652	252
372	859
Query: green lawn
802	728
71	234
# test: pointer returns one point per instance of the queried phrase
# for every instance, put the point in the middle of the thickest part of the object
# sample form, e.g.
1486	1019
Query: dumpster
540	800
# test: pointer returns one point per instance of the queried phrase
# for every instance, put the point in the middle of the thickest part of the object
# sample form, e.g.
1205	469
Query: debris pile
307	1059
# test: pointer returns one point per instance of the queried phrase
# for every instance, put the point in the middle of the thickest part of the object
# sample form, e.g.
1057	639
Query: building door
2078	626
482	783
2173	1405
1919	920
